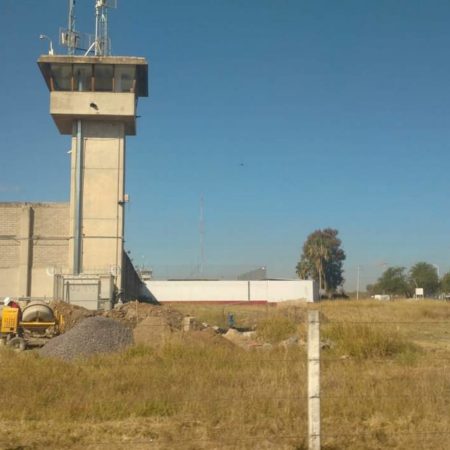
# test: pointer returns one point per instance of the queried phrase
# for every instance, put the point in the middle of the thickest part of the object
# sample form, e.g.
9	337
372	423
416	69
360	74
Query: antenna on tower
71	27
71	38
102	42
202	235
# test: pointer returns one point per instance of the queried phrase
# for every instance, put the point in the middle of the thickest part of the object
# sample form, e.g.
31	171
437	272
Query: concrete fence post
313	380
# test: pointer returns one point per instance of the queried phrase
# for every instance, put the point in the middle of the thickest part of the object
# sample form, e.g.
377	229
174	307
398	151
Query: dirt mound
86	332
208	337
135	312
152	324
71	314
91	336
153	331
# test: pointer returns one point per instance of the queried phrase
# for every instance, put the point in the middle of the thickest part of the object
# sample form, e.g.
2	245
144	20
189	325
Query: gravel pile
92	335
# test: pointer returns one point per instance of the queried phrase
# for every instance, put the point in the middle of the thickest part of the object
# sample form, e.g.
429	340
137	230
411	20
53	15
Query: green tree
424	275
393	281
445	283
322	259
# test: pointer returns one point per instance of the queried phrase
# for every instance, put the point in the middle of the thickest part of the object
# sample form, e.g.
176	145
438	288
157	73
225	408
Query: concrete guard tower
94	99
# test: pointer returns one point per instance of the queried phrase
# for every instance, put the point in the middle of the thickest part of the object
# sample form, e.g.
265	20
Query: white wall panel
232	291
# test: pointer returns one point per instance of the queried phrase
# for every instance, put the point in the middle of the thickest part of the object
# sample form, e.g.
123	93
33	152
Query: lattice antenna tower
99	43
102	42
69	37
202	234
71	28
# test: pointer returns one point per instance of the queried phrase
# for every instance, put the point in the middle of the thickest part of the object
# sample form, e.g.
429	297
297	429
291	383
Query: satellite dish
50	271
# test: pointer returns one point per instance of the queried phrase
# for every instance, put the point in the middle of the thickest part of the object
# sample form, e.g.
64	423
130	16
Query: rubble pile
89	332
135	312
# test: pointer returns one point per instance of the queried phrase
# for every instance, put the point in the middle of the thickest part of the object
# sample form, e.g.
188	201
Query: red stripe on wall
221	302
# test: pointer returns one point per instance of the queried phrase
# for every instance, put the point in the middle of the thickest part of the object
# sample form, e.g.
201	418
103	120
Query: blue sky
285	115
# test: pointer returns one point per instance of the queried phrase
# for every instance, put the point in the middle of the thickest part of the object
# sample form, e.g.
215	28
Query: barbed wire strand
261	438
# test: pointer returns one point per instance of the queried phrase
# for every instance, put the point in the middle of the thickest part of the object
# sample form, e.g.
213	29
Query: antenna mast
102	41
71	28
202	235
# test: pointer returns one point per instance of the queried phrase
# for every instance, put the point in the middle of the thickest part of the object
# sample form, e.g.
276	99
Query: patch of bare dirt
152	325
208	337
153	331
135	312
71	314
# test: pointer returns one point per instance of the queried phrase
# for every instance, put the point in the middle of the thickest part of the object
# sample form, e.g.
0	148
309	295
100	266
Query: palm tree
318	253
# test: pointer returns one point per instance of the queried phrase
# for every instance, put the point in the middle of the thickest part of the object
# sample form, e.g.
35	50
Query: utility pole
202	235
357	282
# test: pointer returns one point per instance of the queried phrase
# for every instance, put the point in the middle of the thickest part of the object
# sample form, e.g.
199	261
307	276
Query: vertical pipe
25	251
78	200
78	191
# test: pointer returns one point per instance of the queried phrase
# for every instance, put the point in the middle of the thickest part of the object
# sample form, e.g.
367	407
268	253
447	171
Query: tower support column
78	199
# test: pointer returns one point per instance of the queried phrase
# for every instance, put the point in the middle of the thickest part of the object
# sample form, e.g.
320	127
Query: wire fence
416	437
209	272
334	434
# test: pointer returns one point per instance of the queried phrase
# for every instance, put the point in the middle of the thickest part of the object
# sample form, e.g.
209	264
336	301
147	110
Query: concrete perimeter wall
34	244
133	287
233	291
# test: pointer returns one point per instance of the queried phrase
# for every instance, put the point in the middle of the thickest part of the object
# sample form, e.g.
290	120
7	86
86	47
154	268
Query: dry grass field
385	384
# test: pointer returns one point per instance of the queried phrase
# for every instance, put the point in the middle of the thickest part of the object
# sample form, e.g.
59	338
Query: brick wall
51	220
50	232
9	254
50	246
9	226
9	217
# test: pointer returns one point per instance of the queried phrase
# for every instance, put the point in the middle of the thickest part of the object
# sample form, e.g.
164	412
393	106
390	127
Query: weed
186	394
275	329
365	341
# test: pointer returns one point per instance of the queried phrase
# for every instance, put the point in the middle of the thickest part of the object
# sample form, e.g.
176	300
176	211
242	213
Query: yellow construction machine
30	327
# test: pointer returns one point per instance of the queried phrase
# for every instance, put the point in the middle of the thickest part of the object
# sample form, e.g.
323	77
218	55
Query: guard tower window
61	77
104	78
82	74
124	79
